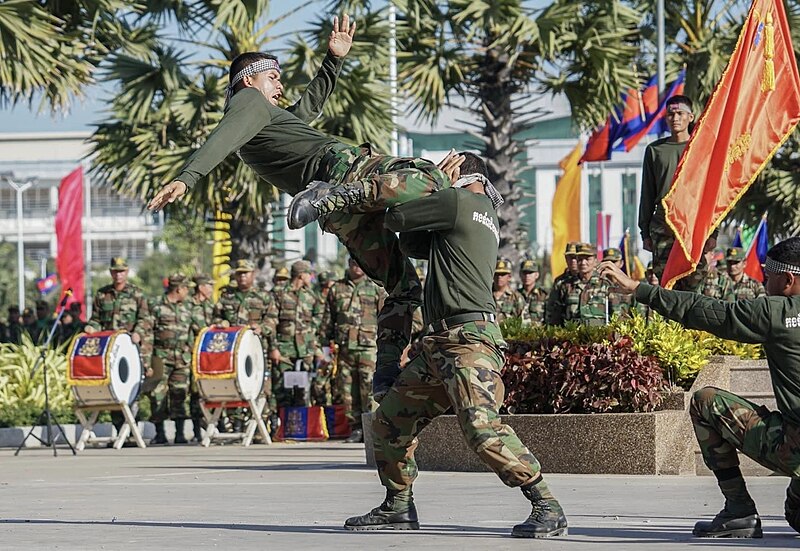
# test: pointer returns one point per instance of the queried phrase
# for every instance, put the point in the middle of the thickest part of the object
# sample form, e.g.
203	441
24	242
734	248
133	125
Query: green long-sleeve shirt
658	168
278	144
464	237
773	321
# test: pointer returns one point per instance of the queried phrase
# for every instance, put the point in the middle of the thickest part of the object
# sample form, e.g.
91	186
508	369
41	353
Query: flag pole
87	228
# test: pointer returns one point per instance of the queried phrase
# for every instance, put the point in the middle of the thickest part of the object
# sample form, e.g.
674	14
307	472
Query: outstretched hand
168	194
617	277
341	39
451	165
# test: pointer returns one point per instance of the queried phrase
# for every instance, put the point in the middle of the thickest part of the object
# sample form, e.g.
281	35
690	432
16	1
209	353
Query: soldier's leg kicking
724	423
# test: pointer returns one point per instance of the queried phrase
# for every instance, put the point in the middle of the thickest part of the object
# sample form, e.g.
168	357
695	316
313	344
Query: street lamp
20	188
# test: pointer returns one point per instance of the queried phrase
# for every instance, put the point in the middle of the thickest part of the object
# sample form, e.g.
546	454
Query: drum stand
46	418
212	411
128	428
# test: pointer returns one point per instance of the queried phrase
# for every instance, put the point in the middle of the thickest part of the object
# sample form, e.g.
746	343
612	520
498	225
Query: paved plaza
296	496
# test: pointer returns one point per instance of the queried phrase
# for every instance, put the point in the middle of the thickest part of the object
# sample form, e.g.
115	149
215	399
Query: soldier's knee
701	400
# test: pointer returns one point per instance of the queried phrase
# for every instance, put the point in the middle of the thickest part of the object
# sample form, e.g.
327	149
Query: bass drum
228	364
104	369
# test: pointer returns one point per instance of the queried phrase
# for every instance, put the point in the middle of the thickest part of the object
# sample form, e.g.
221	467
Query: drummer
122	306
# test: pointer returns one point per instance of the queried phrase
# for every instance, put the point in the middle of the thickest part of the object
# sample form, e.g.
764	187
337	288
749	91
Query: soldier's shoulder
105	289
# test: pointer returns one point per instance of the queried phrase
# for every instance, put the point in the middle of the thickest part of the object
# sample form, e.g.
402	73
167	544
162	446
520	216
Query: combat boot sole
529	534
387	526
301	211
747	527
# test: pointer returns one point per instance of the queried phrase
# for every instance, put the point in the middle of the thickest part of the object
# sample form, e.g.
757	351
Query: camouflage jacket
246	308
555	311
715	284
509	304
297	314
350	316
125	310
535	302
173	335
747	288
585	301
202	313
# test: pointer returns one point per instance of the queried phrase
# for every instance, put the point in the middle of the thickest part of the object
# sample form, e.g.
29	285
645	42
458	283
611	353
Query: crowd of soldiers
580	295
326	327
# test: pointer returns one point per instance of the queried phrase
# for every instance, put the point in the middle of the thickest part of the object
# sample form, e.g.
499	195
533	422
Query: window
107	202
36	251
8	202
595	204
36	202
630	203
105	249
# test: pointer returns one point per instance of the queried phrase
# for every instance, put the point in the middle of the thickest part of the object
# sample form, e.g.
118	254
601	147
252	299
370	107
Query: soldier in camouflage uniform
583	298
716	282
173	337
508	302
741	286
325	280
123	306
202	303
565	278
281	278
350	320
244	305
535	296
459	364
618	303
724	422
417	326
297	310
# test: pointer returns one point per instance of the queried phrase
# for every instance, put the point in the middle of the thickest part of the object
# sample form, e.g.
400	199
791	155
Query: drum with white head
228	364
104	369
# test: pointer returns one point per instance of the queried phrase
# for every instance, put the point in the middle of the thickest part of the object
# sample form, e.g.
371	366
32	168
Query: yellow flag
221	251
566	218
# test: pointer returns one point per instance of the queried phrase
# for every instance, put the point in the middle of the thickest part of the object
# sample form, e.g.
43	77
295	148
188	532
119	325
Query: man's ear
247	81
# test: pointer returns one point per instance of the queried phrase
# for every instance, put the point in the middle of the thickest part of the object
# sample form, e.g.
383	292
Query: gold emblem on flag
737	149
90	347
768	78
219	343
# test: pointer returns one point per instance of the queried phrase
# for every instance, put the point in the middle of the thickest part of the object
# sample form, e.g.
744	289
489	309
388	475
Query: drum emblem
294	421
219	343
90	347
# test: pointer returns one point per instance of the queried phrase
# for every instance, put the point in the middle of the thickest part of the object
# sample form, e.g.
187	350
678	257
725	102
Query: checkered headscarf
491	191
259	66
777	267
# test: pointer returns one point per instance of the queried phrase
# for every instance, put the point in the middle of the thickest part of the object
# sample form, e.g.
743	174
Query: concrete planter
609	443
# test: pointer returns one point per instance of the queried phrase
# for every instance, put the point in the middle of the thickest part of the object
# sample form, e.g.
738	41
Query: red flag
69	235
754	109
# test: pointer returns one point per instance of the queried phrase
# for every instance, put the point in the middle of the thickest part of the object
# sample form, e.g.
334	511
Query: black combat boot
180	438
356	437
320	199
791	507
397	512
198	431
160	437
738	519
546	519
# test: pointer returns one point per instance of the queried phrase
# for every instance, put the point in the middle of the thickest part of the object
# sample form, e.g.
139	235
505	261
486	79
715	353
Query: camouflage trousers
169	398
662	246
287	397
321	388
459	368
724	422
354	383
387	181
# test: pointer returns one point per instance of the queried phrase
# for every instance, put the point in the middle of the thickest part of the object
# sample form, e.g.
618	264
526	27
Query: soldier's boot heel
160	437
395	513
198	431
546	520
729	525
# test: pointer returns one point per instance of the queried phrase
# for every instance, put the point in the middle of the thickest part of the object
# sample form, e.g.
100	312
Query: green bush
22	396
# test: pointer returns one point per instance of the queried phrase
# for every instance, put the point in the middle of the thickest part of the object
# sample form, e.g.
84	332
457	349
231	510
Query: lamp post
20	188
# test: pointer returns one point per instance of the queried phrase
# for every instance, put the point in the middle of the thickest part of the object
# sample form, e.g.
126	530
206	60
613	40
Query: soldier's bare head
782	268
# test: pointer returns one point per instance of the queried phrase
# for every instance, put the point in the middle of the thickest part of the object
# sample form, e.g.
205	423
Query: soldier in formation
350	323
716	281
533	294
741	286
582	298
202	302
508	302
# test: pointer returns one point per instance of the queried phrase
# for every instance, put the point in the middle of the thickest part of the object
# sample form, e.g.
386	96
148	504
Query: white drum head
249	365
126	369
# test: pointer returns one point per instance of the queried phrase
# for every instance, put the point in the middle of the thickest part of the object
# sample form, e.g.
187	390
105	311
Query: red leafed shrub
557	376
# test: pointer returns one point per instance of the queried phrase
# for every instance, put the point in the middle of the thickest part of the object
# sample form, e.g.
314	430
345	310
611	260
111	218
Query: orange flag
754	109
566	210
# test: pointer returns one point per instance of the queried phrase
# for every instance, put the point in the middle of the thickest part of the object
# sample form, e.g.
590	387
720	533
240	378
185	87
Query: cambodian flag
757	253
47	284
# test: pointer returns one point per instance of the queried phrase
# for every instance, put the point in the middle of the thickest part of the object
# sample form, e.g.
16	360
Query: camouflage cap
503	266
572	248
202	279
612	254
243	266
179	280
301	267
118	264
529	266
281	274
325	277
734	254
585	249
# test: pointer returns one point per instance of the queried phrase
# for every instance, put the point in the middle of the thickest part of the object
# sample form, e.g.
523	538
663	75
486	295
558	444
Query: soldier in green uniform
534	295
724	422
508	302
562	280
716	282
123	306
246	306
350	320
173	337
658	168
281	278
457	230
583	298
202	303
297	310
741	286
325	280
12	331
